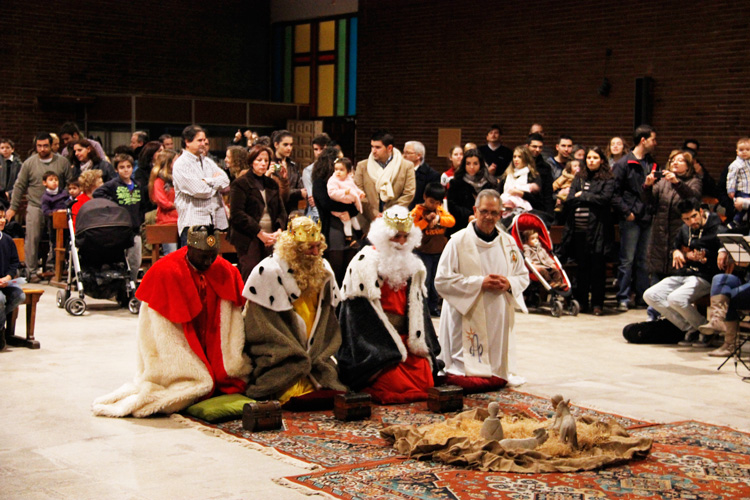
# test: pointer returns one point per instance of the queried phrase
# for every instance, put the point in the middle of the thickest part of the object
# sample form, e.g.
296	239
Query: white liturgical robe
476	327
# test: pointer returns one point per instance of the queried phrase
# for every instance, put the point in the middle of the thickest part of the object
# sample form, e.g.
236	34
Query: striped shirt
197	192
738	177
582	213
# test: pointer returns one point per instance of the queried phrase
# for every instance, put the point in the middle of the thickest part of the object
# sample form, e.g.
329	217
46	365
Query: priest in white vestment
481	277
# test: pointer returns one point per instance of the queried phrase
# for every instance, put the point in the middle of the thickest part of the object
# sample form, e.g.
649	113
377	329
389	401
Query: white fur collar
362	280
271	284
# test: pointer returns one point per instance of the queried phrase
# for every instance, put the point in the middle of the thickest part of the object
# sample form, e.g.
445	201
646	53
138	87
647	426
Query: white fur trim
362	280
272	285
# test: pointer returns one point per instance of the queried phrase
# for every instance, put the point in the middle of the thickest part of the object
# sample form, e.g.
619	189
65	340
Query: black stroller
97	262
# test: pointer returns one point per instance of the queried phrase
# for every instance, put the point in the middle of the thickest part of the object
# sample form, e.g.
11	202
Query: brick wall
428	64
170	47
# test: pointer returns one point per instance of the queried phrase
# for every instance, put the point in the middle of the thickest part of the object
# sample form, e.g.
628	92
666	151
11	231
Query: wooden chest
445	398
261	416
352	406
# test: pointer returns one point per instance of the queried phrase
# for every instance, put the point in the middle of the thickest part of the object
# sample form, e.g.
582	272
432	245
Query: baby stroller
97	262
559	299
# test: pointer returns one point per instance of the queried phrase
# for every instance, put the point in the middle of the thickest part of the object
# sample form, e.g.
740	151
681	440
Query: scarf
475	181
52	192
86	166
384	177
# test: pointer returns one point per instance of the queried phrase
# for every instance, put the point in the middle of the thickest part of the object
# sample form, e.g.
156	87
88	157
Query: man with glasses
481	277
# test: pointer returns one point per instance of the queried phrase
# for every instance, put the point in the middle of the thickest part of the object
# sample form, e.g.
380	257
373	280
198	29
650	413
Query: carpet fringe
305	490
266	450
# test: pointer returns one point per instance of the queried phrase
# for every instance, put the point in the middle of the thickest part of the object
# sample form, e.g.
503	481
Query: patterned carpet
689	460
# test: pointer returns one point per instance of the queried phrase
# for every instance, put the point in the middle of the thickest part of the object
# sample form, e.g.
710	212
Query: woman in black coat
471	178
589	232
338	252
257	215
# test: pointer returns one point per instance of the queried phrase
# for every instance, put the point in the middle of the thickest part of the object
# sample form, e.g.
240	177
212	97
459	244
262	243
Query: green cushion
219	409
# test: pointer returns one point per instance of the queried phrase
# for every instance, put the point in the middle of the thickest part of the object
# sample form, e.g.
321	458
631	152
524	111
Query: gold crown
393	221
203	238
304	230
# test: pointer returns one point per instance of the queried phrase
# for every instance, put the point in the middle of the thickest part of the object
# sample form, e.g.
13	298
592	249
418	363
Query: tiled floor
51	446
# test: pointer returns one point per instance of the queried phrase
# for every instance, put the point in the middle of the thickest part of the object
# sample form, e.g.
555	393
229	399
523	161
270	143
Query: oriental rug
350	460
317	439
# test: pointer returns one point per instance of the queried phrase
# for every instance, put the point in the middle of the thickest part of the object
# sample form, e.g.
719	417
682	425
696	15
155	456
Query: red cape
168	287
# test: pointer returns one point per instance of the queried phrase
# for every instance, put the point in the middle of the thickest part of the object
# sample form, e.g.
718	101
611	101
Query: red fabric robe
176	290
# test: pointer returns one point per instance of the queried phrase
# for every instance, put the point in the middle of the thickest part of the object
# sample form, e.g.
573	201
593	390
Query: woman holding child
257	216
522	185
589	232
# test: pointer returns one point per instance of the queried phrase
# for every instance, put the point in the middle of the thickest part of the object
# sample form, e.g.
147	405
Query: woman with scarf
471	177
86	158
521	182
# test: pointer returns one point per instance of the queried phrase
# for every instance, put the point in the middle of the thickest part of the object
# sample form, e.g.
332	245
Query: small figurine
564	423
540	436
492	428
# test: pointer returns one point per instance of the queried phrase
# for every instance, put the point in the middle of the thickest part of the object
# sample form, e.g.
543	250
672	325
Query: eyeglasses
489	213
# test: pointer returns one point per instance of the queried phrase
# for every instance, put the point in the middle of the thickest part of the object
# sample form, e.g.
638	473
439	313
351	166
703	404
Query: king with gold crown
291	330
389	347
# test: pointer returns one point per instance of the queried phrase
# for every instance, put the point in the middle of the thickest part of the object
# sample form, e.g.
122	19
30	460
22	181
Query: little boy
738	181
128	194
11	296
544	264
433	220
74	189
53	199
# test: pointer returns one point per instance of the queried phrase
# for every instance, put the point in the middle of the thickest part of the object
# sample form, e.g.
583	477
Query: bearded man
190	332
389	347
291	328
481	277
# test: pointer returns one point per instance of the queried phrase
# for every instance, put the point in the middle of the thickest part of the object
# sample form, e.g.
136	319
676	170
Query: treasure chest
445	398
352	406
261	416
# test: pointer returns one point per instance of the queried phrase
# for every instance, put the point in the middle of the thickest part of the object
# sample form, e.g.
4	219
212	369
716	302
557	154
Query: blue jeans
10	298
738	293
430	263
633	271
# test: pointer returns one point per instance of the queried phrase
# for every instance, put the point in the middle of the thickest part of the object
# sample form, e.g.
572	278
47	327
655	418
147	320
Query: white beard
396	265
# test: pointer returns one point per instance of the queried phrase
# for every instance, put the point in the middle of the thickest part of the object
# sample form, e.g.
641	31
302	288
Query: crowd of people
405	241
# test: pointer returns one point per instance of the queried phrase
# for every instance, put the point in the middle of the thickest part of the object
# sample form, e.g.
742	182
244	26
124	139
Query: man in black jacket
635	219
694	256
414	151
535	144
495	155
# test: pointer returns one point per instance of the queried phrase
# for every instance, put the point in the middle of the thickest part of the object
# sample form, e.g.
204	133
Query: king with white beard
389	347
481	277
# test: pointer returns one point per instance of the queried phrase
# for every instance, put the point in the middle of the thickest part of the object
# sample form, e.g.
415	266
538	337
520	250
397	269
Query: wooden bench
32	298
157	235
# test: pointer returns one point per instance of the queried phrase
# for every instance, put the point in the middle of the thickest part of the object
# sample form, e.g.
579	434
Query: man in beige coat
386	177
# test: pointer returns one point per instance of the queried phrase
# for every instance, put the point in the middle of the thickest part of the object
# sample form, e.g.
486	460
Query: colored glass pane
327	38
351	88
341	69
325	89
302	38
302	84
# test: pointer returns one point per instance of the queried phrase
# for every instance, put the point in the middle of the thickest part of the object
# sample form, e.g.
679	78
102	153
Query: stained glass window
315	63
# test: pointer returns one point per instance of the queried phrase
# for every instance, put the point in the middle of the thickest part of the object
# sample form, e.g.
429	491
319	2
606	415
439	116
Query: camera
658	174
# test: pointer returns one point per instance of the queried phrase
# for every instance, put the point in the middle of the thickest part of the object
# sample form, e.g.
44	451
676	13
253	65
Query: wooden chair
157	235
225	246
32	298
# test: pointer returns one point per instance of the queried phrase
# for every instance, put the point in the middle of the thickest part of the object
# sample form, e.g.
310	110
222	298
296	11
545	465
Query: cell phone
658	174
